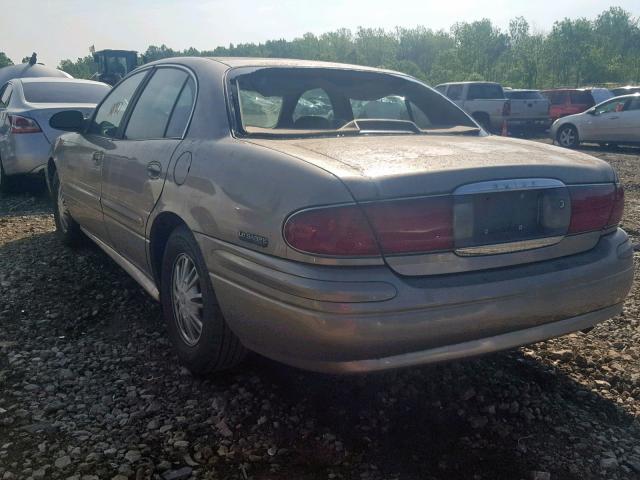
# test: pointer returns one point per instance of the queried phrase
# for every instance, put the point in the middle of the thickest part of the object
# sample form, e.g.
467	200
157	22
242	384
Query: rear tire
66	227
203	340
567	136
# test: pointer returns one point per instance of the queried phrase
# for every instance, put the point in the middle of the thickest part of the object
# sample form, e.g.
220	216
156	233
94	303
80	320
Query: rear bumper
347	319
25	153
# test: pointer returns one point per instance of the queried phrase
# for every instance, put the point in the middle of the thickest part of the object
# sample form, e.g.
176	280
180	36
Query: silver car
26	105
610	122
329	239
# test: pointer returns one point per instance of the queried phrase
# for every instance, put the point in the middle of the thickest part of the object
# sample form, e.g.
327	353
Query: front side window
108	118
153	109
311	101
612	106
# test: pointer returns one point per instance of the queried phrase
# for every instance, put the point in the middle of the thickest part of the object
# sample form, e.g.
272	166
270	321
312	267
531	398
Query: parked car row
497	108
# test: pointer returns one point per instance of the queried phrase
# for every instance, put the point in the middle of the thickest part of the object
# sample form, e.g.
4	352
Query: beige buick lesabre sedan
337	218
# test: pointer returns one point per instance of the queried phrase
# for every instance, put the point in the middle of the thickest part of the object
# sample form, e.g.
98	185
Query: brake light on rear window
594	207
21	124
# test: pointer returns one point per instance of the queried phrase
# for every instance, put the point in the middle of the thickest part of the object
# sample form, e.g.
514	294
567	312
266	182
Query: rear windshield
484	90
64	92
312	101
523	95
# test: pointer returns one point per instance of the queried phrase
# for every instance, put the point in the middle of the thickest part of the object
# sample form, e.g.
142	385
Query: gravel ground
90	389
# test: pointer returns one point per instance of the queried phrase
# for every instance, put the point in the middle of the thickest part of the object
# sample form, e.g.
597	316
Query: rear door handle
97	157
154	169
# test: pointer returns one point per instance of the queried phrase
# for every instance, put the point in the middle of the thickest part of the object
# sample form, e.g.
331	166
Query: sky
60	29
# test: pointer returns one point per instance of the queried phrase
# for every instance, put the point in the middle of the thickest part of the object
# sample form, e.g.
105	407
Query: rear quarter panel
234	188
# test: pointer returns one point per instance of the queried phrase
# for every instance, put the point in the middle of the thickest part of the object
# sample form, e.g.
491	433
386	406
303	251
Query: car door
630	121
81	164
602	123
135	168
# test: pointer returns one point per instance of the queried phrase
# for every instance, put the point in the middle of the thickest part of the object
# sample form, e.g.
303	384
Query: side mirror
69	121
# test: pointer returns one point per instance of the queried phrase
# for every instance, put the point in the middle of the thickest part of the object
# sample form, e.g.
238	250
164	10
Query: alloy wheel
567	137
186	299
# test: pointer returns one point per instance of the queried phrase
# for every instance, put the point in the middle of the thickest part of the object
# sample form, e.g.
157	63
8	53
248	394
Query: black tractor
113	65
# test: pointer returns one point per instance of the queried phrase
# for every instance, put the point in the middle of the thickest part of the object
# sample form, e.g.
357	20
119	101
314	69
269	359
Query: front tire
66	227
203	340
568	136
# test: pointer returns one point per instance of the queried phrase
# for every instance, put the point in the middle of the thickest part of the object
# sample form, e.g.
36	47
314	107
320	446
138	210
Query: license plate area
510	215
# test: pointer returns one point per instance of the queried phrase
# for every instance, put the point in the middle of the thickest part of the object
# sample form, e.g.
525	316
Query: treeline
575	52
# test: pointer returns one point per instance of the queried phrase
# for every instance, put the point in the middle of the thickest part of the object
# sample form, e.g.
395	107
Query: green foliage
84	67
575	52
4	60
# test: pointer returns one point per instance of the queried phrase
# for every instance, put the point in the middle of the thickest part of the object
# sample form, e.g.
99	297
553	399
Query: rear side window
557	98
484	91
5	95
153	109
633	104
455	92
182	110
581	98
64	92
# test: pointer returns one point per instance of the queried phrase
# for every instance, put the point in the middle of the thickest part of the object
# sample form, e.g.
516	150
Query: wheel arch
163	225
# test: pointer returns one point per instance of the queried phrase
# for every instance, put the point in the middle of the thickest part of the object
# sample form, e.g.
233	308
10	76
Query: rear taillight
413	225
594	207
506	108
400	226
23	124
335	231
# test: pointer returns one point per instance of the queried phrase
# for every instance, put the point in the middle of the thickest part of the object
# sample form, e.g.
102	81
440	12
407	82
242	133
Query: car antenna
33	59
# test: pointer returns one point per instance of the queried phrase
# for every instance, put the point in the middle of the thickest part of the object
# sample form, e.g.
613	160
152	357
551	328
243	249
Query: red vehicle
568	101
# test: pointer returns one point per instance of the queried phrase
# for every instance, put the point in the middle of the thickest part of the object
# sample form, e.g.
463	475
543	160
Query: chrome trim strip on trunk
508	185
138	275
508	247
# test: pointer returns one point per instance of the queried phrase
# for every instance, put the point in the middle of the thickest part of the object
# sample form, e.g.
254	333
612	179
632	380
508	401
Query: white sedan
611	122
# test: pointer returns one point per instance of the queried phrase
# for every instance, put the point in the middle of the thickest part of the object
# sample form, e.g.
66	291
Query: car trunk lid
42	113
508	199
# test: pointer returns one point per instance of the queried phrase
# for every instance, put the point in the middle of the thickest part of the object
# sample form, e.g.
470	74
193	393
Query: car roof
236	62
55	80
